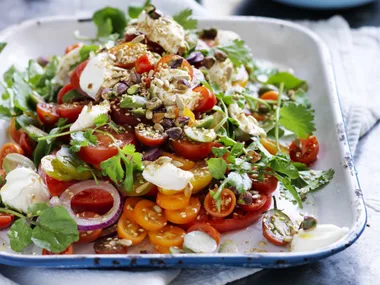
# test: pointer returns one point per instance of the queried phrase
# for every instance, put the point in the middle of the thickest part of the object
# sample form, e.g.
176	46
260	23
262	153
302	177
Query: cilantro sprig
184	19
238	52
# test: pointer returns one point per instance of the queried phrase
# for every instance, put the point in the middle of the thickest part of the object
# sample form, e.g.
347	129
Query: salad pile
154	131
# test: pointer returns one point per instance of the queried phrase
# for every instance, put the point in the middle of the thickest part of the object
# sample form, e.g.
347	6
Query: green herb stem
8	211
277	125
261	101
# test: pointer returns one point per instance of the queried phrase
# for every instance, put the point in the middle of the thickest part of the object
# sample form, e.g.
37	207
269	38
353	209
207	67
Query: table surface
355	265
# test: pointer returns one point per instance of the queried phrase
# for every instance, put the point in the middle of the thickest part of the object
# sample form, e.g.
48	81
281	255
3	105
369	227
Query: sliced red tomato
277	227
47	113
71	47
211	231
239	220
168	61
267	186
15	134
9	148
191	150
75	76
228	203
149	137
143	64
27	144
63	91
306	152
207	99
71	111
256	204
89	236
69	250
92	200
54	186
6	220
110	245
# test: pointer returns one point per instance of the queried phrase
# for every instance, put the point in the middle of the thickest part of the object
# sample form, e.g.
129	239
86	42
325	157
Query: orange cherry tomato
186	163
169	59
133	50
184	215
3	174
15	134
172	202
168	236
9	148
191	150
89	236
143	64
68	250
202	177
47	113
71	47
149	215
211	231
271	147
228	203
129	204
307	152
207	99
269	95
162	249
126	229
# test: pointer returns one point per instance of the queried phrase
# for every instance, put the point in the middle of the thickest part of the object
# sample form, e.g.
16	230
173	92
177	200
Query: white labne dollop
65	64
247	124
199	242
224	37
96	72
23	188
221	74
165	175
88	114
165	31
319	237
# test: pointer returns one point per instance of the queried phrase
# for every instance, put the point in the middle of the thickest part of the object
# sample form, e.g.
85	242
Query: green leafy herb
20	235
219	151
237	52
286	182
2	46
85	51
134	11
289	80
82	139
297	119
101	120
184	19
217	167
312	180
71	96
109	21
300	98
8	76
282	164
37	209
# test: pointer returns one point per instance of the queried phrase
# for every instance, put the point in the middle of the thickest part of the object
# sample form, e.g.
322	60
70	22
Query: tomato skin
147	217
256	205
9	148
148	140
267	186
171	57
211	231
129	204
27	144
308	152
89	236
70	111
55	187
172	202
227	207
103	246
269	95
92	200
3	174
15	134
184	215
63	91
6	220
69	250
168	236
143	64
202	217
75	76
191	150
206	101
47	113
71	47
129	230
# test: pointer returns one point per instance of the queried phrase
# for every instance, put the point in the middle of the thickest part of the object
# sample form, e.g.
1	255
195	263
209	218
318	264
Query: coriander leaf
217	167
2	46
282	164
81	139
134	11
35	72
219	151
288	185
109	20
312	180
289	80
55	230
113	169
300	166
237	149
297	119
300	98
237	52
136	156
21	91
183	18
20	235
227	141
8	76
61	122
5	112
37	209
101	120
85	51
71	96
242	182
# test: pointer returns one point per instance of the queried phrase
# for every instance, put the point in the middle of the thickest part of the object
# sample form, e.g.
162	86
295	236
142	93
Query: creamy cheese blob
164	174
247	124
23	188
97	70
224	37
319	237
199	242
65	64
221	74
88	114
165	31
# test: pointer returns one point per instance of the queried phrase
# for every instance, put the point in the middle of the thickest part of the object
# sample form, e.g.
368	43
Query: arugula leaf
21	92
2	46
183	18
289	80
55	230
217	167
85	51
297	119
20	235
134	11
8	76
109	21
35	210
237	52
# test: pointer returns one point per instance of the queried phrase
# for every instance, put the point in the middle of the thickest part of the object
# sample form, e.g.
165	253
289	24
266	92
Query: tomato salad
154	131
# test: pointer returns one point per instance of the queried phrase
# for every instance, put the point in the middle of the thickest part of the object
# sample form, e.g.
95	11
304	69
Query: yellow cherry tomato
202	177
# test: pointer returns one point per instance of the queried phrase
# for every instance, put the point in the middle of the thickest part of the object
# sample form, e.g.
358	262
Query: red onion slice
90	224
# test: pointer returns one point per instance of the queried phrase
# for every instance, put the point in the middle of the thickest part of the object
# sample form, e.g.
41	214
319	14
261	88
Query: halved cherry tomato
9	148
15	134
105	149
191	150
129	230
277	227
92	200
71	47
162	249
306	152
27	144
169	59
47	113
55	187
206	101
70	111
202	177
267	186
184	215
6	220
239	220
75	76
143	64
109	245
149	215
129	204
269	95
63	91
168	236
68	250
186	163
211	231
149	137
271	147
88	236
228	203
202	217
256	204
172	202
133	50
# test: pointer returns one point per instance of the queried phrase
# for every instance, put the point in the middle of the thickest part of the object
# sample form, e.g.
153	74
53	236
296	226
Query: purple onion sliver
152	154
176	63
54	202
195	57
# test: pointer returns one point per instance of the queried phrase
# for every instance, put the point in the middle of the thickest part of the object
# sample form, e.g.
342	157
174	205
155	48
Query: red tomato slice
92	200
47	113
54	186
6	220
27	144
191	150
149	137
267	186
63	91
227	205
9	148
143	64
206	101
307	152
256	204
70	111
75	76
68	250
89	236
